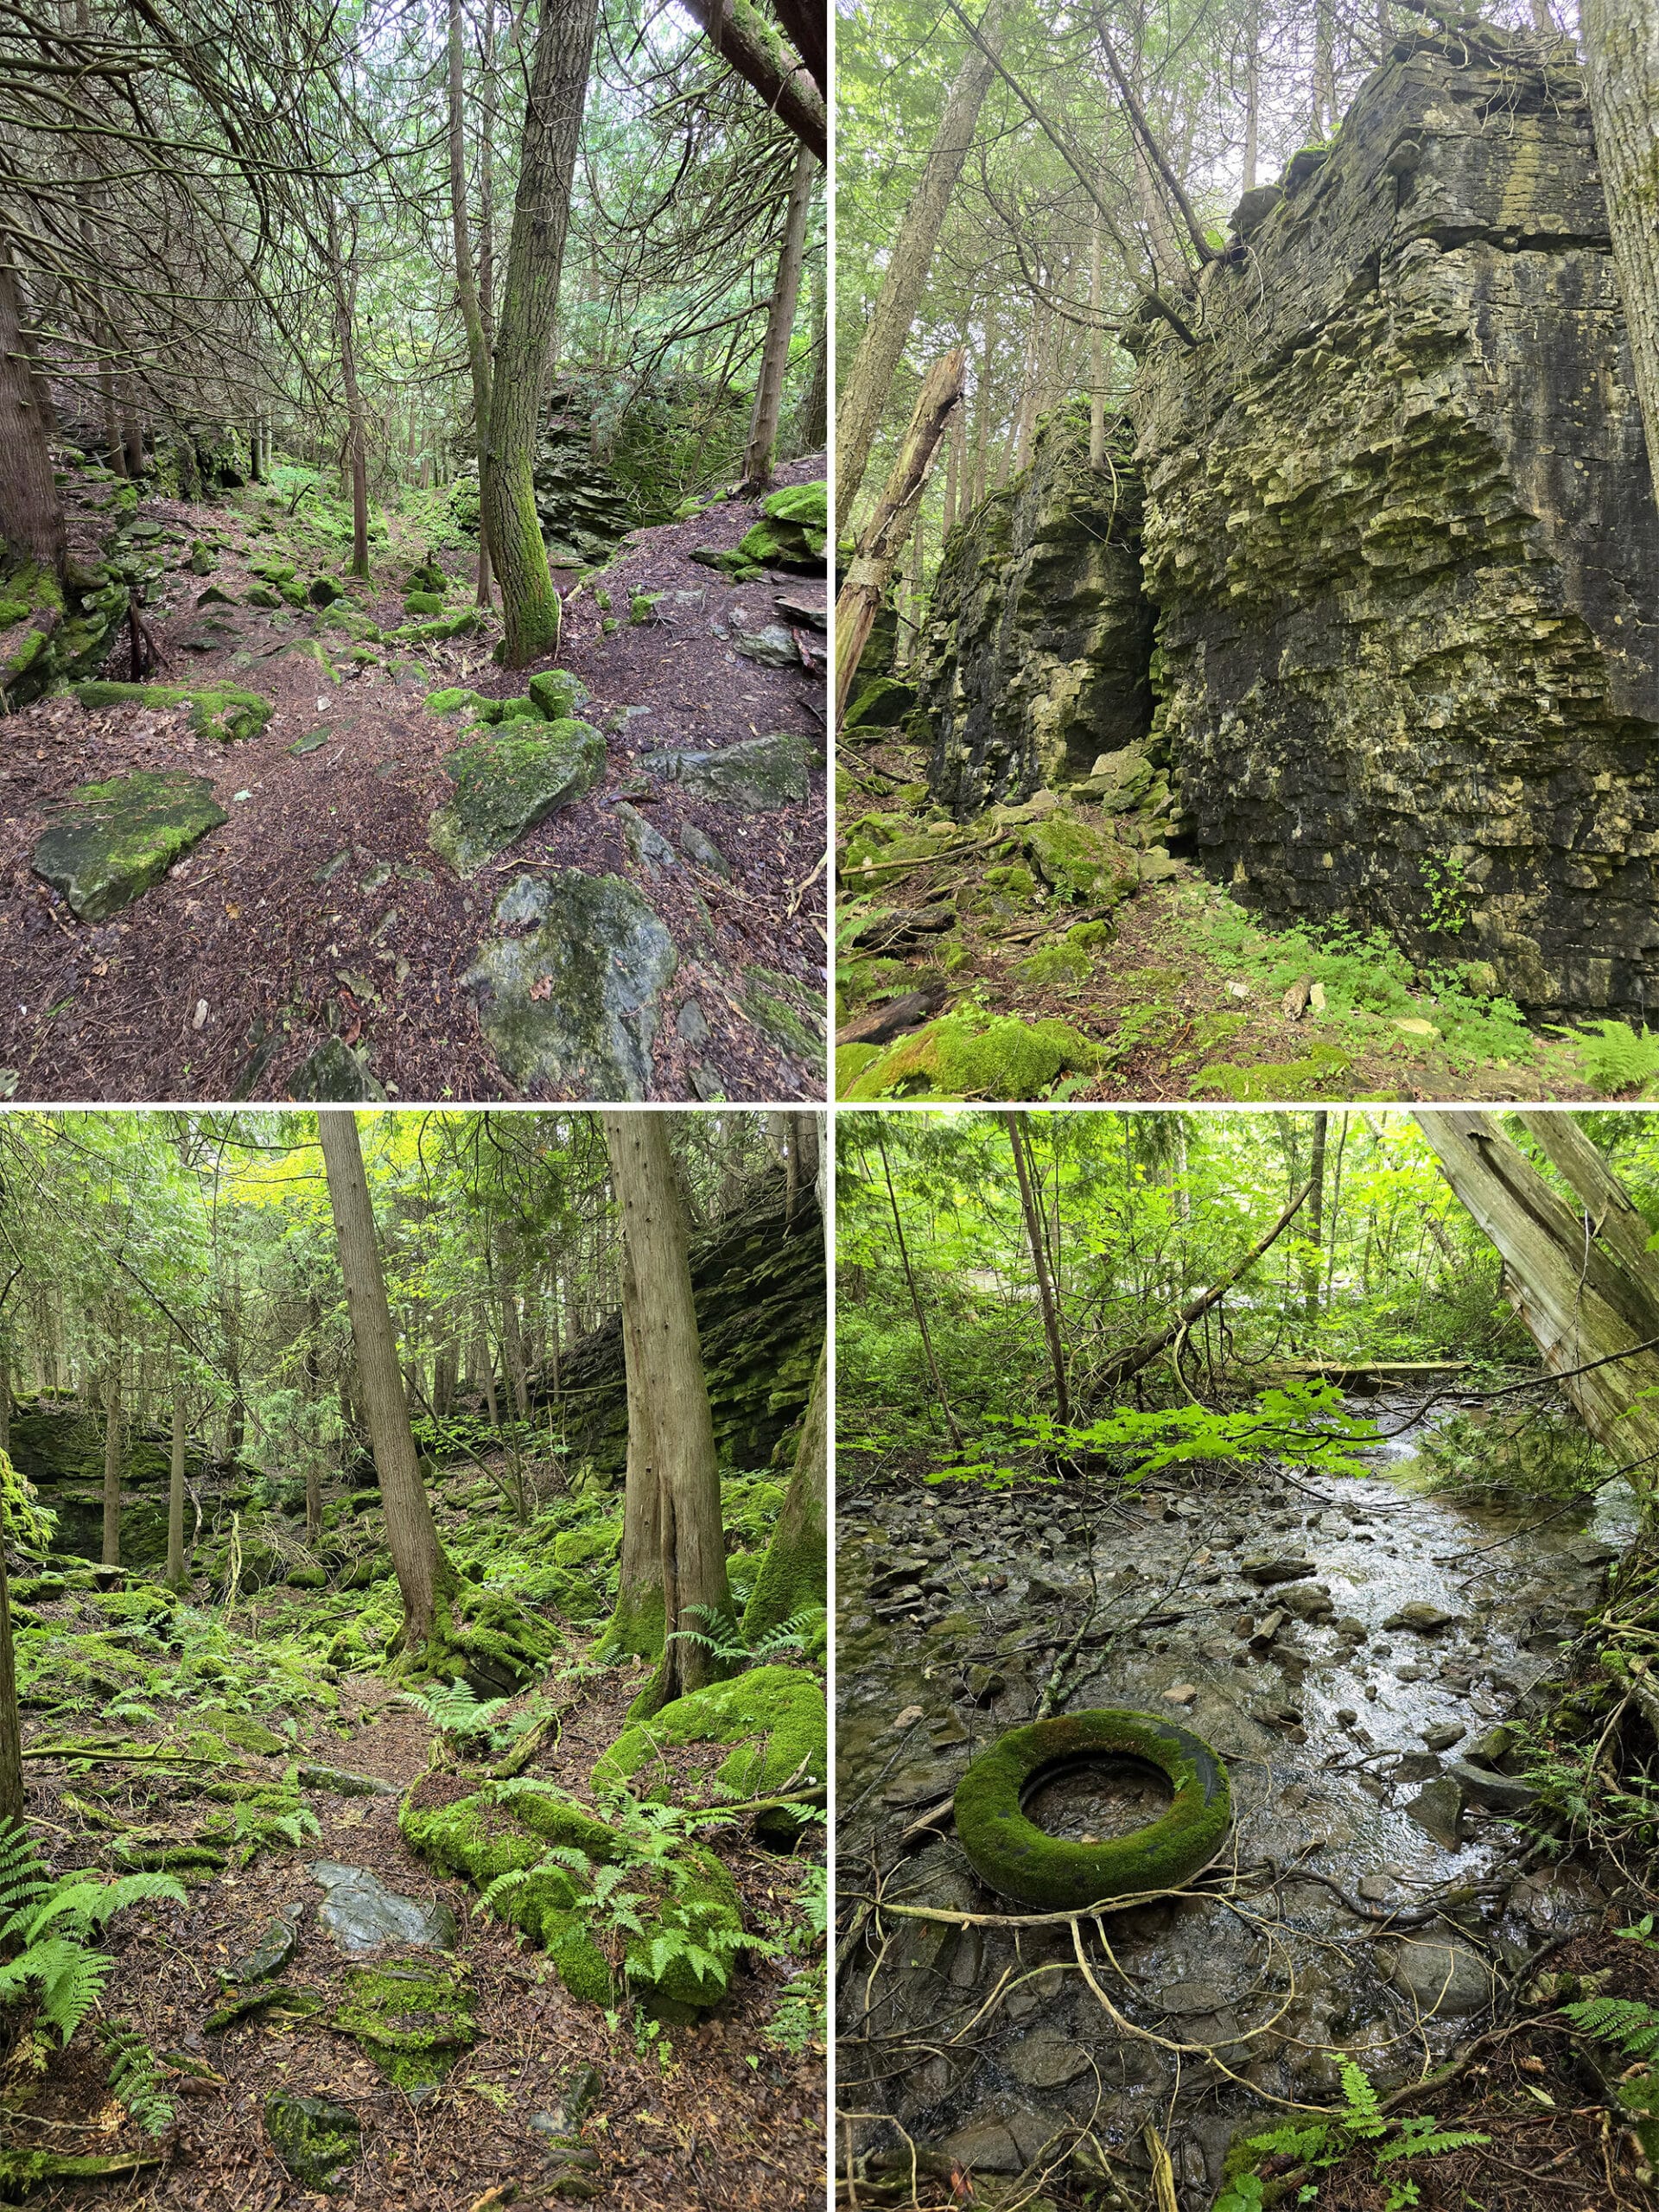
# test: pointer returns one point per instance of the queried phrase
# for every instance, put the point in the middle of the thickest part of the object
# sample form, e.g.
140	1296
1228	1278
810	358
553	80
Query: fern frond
136	2077
1625	2021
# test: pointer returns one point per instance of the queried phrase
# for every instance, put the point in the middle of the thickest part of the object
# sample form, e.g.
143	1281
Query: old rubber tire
1015	1857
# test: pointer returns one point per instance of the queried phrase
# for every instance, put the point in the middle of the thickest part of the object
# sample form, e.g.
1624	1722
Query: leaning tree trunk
1014	1124
869	380
743	38
780	325
636	1624
31	512
795	1573
883	539
524	350
696	1596
425	1576
1621	49
1583	1294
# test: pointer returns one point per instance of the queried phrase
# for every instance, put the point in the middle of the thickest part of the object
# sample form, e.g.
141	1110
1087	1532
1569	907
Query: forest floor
1176	993
319	911
725	2113
1337	1928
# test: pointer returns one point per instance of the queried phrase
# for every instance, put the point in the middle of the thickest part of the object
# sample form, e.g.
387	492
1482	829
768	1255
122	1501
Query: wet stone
1444	1979
1421	1618
1443	1735
1048	2061
361	1914
271	1954
1494	1793
1267	1567
1438	1811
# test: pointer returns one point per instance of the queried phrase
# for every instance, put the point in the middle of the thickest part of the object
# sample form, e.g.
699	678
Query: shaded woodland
412	1732
359	368
1275	1492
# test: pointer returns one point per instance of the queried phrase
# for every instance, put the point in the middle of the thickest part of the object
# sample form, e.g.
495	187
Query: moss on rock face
413	2016
757	774
222	711
505	785
969	1056
116	839
1015	1857
317	2140
774	1716
531	1830
1078	862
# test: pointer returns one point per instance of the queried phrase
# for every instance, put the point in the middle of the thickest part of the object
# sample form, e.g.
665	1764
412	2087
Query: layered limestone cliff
1400	534
1033	658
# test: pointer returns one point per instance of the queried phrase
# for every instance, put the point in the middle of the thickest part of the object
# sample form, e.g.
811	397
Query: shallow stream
1259	1619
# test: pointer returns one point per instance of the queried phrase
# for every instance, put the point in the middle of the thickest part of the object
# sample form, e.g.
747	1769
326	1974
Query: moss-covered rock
557	693
315	2138
412	2016
757	774
1019	1860
115	839
882	704
530	1831
424	603
969	1056
221	711
440	631
775	1717
1080	862
505	785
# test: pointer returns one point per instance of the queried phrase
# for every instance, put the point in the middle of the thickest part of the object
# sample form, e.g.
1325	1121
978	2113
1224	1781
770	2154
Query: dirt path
319	909
724	2120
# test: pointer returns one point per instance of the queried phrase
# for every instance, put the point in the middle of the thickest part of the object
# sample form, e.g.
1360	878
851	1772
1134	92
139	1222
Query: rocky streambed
1353	1650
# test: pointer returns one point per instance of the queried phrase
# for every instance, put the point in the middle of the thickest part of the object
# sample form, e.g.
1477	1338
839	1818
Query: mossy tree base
774	1717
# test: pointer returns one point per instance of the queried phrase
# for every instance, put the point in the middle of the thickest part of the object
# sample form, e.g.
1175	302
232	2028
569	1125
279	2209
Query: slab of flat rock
574	1005
757	774
340	1781
1494	1793
116	839
1266	1567
772	645
336	1071
361	1914
275	1948
1438	1811
1045	2061
1444	1979
511	780
1421	1618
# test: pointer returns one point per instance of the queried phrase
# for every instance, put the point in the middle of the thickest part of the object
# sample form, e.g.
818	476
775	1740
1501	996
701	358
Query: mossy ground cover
1171	989
316	917
208	1734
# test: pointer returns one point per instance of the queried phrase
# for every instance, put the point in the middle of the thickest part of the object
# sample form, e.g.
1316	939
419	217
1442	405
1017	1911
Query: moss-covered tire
1016	1859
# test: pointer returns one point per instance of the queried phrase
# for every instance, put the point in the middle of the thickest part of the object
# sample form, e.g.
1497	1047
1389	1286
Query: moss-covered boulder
115	839
336	1071
323	591
505	785
773	1717
411	2014
757	774
1011	1853
218	710
424	603
428	577
315	2138
882	704
574	1006
678	1961
967	1055
440	631
556	693
1077	862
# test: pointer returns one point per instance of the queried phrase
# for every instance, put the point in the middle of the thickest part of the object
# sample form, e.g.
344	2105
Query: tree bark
883	541
31	512
780	324
795	1573
177	1577
869	380
696	1593
1314	1263
1580	1297
743	38
472	315
916	1306
524	353
426	1577
1621	47
113	1458
11	1726
344	277
1039	1261
637	1623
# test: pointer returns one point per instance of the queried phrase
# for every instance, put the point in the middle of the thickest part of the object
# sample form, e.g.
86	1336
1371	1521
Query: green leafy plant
45	1922
1325	2143
723	1638
137	2077
1447	892
452	1709
1616	1057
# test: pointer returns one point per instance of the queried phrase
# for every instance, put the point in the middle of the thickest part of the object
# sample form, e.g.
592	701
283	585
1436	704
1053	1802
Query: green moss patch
774	1717
969	1056
505	784
116	839
221	711
413	2016
1016	1859
317	2140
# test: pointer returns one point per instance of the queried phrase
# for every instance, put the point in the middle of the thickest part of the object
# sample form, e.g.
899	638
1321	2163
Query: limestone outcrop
1399	532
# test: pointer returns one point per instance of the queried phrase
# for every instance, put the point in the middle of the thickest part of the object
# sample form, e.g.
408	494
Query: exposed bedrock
1400	533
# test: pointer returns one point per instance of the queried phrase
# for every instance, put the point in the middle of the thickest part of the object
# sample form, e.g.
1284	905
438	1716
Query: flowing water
987	2045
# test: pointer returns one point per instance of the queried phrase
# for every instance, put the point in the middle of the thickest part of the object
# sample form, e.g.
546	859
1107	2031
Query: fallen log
883	1024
